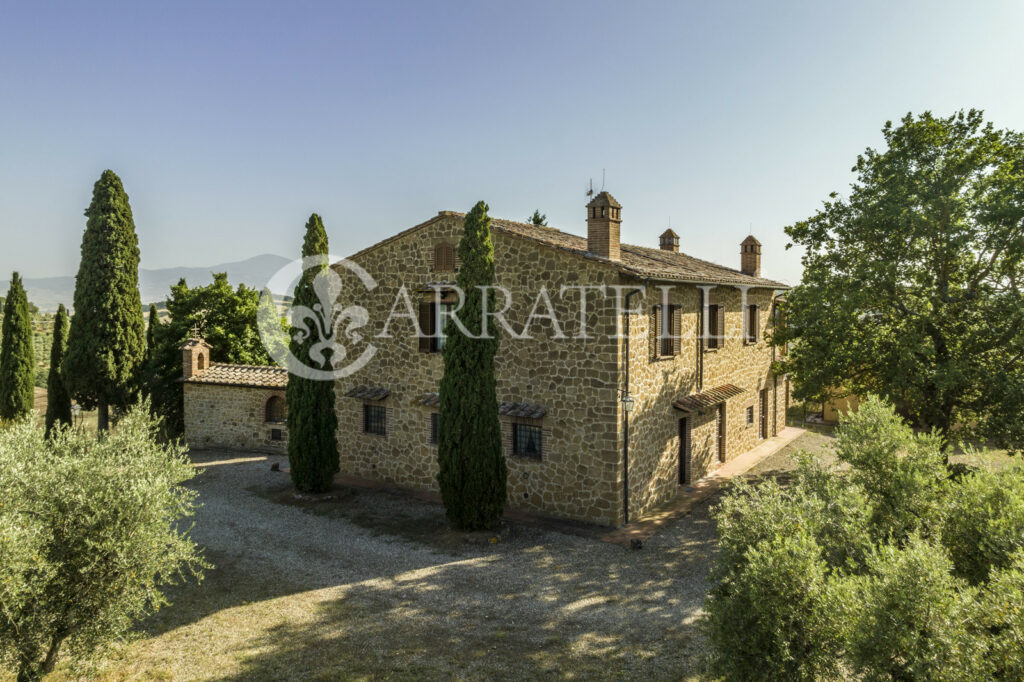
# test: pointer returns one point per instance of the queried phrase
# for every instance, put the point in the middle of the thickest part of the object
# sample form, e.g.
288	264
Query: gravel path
373	584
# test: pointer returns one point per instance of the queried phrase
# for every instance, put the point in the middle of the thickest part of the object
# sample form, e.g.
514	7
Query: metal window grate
527	441
435	426
375	420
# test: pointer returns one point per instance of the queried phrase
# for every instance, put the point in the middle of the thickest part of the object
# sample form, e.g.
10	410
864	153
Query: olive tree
90	534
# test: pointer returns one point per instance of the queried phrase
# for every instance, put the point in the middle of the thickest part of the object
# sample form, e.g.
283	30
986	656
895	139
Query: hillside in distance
154	285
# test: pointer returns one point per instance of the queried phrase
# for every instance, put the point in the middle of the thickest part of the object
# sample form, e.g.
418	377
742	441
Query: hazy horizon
230	123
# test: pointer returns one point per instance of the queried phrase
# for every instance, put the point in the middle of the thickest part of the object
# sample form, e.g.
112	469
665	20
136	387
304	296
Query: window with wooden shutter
444	257
428	328
677	327
656	328
753	322
714	326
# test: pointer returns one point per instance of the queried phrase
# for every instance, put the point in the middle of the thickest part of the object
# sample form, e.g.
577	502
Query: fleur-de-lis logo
323	333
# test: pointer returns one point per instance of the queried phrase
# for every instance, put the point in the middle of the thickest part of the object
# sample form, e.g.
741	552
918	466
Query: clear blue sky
230	122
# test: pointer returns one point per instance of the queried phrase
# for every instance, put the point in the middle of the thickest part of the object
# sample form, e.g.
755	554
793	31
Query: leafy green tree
984	524
472	473
312	421
17	355
58	402
902	473
81	560
225	317
883	566
912	622
912	284
106	344
538	218
999	619
778	616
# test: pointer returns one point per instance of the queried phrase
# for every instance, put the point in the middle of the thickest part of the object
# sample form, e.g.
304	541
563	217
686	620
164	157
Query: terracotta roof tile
525	410
368	393
640	261
251	376
695	402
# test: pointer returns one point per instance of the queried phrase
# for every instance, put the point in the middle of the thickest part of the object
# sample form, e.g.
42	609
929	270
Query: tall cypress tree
153	323
106	344
472	474
17	355
58	402
312	441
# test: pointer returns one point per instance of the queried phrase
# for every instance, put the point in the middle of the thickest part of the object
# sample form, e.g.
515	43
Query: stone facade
232	417
580	474
568	385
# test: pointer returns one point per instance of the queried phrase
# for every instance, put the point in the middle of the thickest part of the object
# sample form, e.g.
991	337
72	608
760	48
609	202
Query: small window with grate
527	441
375	420
750	415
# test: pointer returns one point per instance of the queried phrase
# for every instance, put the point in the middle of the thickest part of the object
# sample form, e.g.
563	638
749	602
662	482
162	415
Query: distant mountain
154	285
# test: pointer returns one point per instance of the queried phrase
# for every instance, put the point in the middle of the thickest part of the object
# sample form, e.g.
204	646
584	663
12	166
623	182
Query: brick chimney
604	217
195	357
669	241
750	257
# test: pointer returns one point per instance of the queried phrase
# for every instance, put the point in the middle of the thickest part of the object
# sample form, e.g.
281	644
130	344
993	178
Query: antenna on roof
590	192
602	179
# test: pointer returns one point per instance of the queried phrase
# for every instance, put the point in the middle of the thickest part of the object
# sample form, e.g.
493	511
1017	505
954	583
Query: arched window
201	362
276	410
444	257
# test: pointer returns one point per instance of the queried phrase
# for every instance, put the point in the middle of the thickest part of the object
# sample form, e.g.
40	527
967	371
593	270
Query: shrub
984	524
775	618
904	475
999	619
912	620
89	534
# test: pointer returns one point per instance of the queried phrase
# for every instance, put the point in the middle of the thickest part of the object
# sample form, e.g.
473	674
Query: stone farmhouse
643	370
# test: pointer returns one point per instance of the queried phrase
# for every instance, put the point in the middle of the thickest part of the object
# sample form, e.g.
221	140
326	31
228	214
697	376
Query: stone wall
578	476
231	417
655	381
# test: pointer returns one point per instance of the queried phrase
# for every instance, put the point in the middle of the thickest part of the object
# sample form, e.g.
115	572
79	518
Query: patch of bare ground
370	585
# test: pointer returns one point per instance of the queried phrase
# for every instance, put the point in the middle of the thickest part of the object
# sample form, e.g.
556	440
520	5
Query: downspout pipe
625	416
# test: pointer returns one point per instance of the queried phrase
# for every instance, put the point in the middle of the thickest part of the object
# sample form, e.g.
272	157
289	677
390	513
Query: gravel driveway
373	585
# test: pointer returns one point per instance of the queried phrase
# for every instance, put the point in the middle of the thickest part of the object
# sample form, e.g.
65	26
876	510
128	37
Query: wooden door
684	452
721	432
764	413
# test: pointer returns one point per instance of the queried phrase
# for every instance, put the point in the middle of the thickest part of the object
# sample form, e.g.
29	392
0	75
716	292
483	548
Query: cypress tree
312	441
17	355
154	322
58	402
106	344
472	474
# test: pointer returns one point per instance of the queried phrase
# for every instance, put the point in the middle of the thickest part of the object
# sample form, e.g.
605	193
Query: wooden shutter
712	326
755	323
677	323
657	331
721	325
427	327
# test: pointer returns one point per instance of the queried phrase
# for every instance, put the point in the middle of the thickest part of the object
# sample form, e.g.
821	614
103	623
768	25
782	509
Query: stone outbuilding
233	406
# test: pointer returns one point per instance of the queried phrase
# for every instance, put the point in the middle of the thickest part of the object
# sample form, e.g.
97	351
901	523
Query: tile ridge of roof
244	366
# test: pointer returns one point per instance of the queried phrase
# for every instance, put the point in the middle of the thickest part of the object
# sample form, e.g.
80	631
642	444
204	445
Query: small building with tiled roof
232	406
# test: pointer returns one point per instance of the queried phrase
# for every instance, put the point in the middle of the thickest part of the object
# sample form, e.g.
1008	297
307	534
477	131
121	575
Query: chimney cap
669	234
604	199
194	342
751	239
